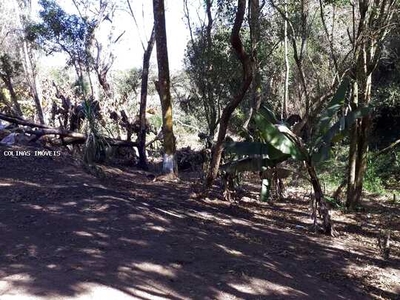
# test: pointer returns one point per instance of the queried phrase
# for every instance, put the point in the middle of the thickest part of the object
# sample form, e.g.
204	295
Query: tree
10	68
213	75
143	98
24	17
255	45
96	13
12	38
143	93
163	88
247	67
370	27
62	32
202	58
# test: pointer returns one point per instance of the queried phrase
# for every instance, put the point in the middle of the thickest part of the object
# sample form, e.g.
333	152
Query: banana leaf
273	136
336	133
331	111
268	114
253	148
252	164
334	107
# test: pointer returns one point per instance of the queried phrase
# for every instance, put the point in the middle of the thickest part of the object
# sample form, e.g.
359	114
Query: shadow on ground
65	234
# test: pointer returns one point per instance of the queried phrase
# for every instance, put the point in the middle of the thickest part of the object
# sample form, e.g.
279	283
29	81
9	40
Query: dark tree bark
14	99
254	6
373	24
169	161
143	102
247	66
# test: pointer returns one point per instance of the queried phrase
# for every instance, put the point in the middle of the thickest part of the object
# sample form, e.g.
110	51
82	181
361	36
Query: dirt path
68	235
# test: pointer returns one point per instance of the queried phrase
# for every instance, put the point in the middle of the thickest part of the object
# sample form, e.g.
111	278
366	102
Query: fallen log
20	121
66	136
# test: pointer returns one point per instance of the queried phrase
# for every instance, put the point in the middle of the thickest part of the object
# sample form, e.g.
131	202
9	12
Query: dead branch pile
60	136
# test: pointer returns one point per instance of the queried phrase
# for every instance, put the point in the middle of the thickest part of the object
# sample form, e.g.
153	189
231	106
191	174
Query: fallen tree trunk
66	136
20	121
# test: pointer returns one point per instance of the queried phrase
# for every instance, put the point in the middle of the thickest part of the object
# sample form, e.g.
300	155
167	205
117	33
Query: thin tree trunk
323	209
209	101
287	69
169	161
247	66
362	141
143	102
33	82
351	176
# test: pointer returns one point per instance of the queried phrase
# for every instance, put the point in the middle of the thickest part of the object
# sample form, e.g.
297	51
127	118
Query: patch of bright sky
129	51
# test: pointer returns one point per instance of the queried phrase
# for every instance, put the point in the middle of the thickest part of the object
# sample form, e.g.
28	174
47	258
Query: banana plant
277	143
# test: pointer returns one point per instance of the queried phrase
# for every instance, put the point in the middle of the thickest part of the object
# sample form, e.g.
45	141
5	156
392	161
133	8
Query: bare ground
66	234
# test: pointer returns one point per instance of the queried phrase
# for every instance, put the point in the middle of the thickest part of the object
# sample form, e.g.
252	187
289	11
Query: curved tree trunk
247	66
255	40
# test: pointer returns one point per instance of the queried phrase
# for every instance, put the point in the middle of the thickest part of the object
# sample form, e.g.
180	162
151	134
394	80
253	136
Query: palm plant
95	145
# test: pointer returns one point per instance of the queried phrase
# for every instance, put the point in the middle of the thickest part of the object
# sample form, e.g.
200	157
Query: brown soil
66	234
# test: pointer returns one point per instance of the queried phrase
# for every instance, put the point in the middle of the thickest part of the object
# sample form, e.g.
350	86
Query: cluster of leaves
62	32
9	67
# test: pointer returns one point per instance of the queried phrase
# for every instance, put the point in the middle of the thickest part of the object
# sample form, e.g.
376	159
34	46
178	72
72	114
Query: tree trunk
351	176
14	99
169	161
254	6
247	66
322	207
374	23
287	69
143	102
362	141
33	82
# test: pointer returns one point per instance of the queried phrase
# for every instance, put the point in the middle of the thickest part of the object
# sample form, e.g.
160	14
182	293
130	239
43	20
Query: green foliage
213	75
128	83
372	179
9	67
333	170
383	172
328	131
62	32
95	147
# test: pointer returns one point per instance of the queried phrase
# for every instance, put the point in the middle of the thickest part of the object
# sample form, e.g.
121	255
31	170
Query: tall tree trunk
247	66
33	82
374	23
169	161
209	100
143	102
362	142
287	68
254	6
351	175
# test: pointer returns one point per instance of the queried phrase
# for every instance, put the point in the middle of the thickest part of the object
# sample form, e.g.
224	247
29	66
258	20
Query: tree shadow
65	234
